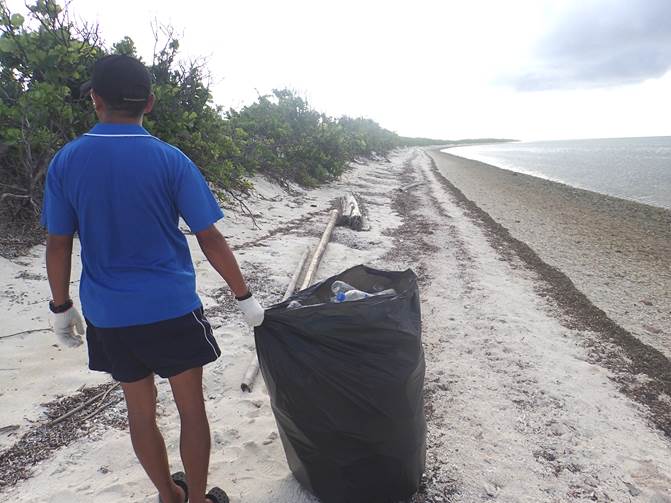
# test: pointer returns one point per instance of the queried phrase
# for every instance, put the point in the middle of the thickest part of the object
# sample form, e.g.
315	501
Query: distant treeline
45	59
477	141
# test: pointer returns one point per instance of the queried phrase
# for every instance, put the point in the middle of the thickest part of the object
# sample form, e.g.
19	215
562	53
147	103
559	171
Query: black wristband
246	296
60	309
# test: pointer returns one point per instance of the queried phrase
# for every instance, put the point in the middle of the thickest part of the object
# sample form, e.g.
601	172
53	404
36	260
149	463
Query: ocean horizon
637	169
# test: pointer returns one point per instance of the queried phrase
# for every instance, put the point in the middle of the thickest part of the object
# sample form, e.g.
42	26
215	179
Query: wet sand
617	252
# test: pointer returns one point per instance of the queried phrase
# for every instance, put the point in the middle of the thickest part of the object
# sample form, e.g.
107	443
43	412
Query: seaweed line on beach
409	243
410	246
618	350
42	439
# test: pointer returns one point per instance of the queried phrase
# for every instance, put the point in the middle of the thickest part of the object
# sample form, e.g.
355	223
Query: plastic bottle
341	286
350	295
345	292
294	304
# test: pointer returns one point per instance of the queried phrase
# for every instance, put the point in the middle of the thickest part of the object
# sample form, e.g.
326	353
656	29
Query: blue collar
121	130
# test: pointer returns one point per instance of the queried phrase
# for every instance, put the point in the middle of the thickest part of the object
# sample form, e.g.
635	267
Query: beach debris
88	402
40	440
319	251
490	490
590	481
271	438
101	408
350	214
253	367
410	186
558	429
24	332
9	428
633	490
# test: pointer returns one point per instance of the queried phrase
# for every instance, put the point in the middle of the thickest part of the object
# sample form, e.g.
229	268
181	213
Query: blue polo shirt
123	191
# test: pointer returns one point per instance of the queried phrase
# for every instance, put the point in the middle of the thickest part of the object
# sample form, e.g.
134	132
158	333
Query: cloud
601	43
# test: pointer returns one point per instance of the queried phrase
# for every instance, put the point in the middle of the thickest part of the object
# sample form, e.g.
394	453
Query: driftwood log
410	186
319	251
349	213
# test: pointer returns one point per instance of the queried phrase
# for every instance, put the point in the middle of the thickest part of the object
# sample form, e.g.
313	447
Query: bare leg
147	439
187	388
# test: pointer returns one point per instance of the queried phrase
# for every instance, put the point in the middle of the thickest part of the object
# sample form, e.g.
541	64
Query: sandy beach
534	392
617	252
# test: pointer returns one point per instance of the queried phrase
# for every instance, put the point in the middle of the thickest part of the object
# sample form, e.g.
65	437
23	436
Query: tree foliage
41	70
288	140
44	60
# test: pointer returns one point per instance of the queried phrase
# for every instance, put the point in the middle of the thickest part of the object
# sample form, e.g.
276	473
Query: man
123	191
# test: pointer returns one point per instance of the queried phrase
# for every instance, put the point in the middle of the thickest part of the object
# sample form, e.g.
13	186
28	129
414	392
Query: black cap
118	79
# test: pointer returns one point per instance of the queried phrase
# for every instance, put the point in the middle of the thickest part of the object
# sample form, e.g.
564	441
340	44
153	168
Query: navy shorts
166	348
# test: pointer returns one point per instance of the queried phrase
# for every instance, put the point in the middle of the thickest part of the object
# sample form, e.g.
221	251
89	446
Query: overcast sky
527	69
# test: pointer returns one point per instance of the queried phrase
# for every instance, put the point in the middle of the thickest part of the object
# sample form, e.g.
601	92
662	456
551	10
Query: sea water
638	169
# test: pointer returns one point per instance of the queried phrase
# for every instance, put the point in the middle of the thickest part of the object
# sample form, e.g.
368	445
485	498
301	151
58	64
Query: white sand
515	401
247	459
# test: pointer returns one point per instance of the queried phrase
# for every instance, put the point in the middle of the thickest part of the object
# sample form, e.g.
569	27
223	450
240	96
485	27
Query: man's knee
187	389
144	414
141	401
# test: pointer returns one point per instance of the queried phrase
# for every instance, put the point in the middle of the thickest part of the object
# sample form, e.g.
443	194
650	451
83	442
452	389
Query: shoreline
614	250
543	176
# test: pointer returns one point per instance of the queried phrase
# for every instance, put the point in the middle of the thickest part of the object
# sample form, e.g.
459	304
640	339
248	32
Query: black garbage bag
345	382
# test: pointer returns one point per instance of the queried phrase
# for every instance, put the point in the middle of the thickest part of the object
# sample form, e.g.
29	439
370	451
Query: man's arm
221	257
218	253
59	263
68	324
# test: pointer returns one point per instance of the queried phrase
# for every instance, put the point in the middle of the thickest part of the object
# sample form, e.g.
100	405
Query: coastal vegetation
45	58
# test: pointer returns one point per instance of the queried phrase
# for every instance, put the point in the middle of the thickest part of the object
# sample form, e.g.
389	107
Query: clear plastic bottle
345	292
341	286
350	295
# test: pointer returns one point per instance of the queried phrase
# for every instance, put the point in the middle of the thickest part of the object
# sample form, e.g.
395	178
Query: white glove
252	311
69	327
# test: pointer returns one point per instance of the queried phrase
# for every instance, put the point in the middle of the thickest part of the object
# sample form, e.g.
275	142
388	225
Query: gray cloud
602	43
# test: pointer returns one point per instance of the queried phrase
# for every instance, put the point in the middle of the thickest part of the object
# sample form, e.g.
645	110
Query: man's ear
150	104
98	102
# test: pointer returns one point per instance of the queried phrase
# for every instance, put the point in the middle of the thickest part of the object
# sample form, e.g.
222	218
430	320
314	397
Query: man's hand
69	327
252	311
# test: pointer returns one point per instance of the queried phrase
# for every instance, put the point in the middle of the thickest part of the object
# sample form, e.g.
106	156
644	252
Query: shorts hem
119	378
172	372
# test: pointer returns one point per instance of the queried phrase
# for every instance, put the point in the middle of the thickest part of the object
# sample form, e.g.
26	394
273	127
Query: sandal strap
179	478
217	495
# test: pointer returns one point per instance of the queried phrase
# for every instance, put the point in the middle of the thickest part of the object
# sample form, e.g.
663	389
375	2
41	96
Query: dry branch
88	402
25	332
100	409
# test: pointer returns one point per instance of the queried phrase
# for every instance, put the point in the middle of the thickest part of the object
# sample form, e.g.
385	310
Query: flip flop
179	478
217	495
